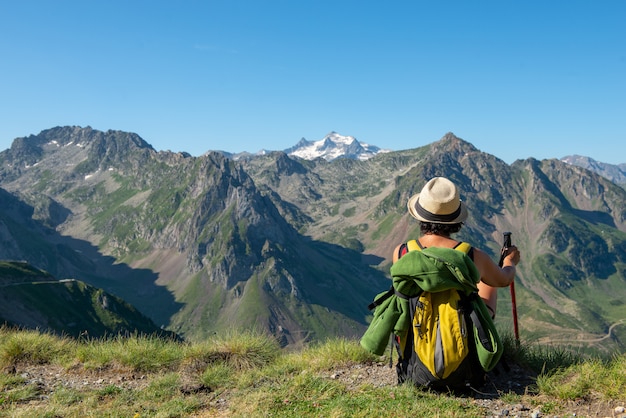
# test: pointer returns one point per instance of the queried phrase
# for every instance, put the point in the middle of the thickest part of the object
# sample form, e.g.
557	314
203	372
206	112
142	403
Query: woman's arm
491	273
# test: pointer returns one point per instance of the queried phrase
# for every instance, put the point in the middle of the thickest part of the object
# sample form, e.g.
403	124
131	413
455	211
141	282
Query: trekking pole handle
505	247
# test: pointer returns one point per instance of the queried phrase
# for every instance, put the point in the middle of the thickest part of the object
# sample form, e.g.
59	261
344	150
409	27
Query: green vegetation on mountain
299	248
33	298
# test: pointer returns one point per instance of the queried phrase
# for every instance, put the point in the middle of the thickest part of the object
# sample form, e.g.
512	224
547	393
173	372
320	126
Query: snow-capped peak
333	146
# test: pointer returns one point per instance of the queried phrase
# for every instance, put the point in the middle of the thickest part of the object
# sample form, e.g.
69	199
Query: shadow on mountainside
341	279
136	286
591	216
31	240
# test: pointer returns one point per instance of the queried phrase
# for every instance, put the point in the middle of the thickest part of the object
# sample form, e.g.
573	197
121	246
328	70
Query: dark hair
440	229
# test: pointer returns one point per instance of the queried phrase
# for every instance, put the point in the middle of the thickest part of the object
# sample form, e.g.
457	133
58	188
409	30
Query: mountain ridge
333	146
279	242
126	206
66	307
330	147
615	173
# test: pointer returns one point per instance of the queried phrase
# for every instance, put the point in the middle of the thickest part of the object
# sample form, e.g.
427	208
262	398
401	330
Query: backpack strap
415	245
380	299
412	245
463	246
466	248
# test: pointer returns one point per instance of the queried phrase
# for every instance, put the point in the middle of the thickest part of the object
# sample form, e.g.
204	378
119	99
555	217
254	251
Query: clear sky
517	79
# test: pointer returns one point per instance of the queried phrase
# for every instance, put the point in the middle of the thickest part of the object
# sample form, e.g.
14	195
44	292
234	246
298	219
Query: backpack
451	341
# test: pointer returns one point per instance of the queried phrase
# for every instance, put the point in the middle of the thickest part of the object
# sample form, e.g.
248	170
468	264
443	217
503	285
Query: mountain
569	223
299	247
31	298
333	146
190	242
615	173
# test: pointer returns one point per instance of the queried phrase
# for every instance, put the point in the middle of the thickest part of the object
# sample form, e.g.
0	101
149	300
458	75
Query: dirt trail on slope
592	340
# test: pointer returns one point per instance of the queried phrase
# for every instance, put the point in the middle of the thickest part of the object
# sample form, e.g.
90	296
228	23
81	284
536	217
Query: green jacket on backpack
433	269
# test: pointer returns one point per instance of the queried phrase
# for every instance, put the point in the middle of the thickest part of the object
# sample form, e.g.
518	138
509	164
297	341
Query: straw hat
438	202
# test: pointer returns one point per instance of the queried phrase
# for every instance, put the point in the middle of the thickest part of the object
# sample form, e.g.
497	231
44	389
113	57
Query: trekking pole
505	247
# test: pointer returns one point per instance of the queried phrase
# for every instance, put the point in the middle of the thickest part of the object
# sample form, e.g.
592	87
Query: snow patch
334	146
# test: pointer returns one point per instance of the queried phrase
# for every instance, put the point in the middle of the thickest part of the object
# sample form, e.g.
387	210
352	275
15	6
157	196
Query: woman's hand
512	256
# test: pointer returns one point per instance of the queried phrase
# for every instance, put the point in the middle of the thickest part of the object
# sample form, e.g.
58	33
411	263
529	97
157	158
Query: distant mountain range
299	247
331	147
615	173
334	145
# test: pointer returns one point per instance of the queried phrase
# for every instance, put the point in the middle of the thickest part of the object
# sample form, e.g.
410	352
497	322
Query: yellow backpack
439	351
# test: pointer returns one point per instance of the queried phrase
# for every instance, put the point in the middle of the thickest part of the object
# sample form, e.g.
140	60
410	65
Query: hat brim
411	204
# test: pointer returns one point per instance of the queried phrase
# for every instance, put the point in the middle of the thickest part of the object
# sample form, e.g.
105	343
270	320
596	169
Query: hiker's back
441	338
438	350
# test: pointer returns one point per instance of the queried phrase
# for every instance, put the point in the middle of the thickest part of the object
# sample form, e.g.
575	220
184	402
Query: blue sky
517	79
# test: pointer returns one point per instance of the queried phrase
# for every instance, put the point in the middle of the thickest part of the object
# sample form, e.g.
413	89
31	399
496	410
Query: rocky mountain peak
615	173
333	146
74	150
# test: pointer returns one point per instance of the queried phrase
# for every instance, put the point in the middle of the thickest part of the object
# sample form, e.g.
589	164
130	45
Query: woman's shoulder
396	252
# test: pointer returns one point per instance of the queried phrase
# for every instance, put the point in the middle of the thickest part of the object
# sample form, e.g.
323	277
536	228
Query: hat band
434	217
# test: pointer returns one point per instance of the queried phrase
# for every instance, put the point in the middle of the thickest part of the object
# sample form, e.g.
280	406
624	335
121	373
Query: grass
600	378
247	374
540	359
